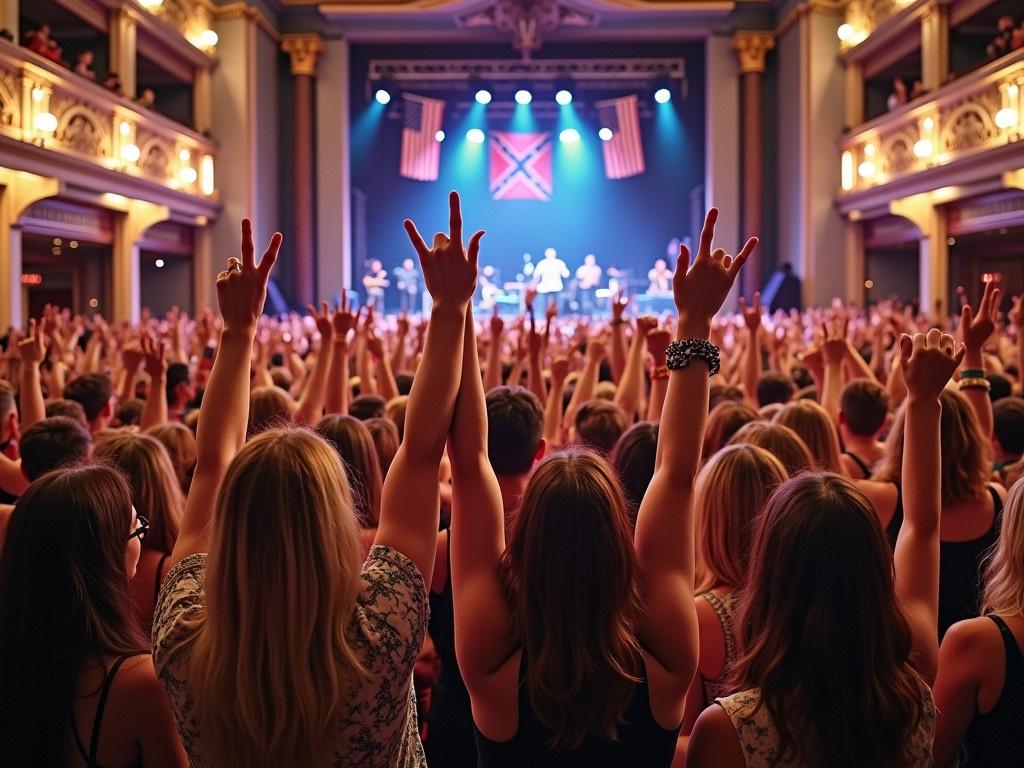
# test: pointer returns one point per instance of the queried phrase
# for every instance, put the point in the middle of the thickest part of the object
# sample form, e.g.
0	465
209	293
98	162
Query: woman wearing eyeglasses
77	684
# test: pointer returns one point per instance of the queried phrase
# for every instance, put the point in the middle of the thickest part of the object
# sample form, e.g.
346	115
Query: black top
859	462
97	720
442	628
641	741
992	737
959	566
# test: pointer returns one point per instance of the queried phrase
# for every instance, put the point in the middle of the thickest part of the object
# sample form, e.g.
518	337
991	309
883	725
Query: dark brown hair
385	440
515	425
599	425
633	459
724	421
864	405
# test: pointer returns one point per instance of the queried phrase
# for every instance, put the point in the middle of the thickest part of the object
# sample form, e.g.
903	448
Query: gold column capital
751	46
303	51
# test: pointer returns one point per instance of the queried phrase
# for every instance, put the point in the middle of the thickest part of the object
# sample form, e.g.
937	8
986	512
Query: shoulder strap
997	505
1014	655
97	722
860	463
158	579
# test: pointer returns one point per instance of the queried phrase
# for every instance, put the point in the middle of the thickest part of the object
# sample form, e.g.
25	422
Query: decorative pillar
854	87
853	247
203	275
19	191
751	47
11	18
138	216
933	251
303	51
935	45
202	106
123	49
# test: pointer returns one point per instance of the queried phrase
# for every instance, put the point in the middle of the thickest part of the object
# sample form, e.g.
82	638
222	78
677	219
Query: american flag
421	151
624	152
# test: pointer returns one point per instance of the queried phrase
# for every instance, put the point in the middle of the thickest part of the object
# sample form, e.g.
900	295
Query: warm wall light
188	175
151	3
208	38
37	94
847	171
130	153
846	32
922	148
206	166
184	155
46	122
866	169
1006	118
124	128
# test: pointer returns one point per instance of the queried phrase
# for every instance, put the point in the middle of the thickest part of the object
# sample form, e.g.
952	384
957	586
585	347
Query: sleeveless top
993	738
725	609
859	462
641	741
759	739
441	627
959	565
97	719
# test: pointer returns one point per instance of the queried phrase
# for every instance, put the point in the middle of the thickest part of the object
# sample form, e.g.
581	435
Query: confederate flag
521	166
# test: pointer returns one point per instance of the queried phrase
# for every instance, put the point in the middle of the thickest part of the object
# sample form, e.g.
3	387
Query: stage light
663	95
605	134
563	97
439	136
569	136
382	96
523	97
475	135
483	96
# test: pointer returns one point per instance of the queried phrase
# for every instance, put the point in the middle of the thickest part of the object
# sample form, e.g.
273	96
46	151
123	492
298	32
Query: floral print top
379	728
760	741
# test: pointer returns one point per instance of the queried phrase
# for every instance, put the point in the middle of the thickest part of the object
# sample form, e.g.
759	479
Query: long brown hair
572	579
155	490
965	465
781	442
64	602
724	421
355	446
180	443
823	635
814	426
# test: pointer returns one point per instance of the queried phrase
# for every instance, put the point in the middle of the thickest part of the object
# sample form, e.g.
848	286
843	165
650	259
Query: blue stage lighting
483	96
475	135
605	134
569	136
382	96
663	95
564	97
523	97
439	136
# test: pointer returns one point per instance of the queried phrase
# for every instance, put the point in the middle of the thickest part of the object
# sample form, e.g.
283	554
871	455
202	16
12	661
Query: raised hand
597	348
344	320
976	328
132	357
834	344
324	323
449	268
31	349
751	315
559	369
529	297
700	290
242	287
497	324
375	346
619	304
928	362
153	352
403	325
658	341
551	312
645	324
1017	314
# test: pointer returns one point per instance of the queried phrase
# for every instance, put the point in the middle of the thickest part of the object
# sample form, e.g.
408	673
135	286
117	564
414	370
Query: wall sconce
46	125
206	165
846	171
188	175
130	153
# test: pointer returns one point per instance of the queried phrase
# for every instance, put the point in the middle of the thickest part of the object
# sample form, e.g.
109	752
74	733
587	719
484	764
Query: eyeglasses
142	530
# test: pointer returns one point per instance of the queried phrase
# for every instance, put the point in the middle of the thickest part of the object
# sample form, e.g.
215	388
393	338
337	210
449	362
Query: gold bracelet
976	383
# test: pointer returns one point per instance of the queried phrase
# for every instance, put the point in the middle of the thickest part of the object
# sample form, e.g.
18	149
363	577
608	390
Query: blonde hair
812	423
147	467
724	421
1004	570
269	408
780	441
180	443
965	467
731	490
282	579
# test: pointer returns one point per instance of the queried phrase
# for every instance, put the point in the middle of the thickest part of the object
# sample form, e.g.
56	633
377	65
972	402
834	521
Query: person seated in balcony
1004	38
1017	38
83	65
113	83
147	98
917	90
898	95
38	40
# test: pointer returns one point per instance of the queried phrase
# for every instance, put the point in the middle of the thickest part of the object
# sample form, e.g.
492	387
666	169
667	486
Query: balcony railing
46	105
970	118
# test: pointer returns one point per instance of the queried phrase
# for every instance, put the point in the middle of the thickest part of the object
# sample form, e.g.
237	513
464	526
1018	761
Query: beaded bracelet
972	373
683	352
975	383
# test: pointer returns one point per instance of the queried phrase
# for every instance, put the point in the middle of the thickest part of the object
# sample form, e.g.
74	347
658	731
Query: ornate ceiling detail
527	21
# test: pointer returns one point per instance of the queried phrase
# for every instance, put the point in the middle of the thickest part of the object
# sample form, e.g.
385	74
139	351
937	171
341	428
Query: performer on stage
375	281
489	287
588	278
660	279
407	279
549	276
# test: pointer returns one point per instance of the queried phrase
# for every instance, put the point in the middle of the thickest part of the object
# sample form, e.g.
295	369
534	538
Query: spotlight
663	95
483	96
563	97
382	96
569	136
523	97
605	134
475	135
159	263
439	136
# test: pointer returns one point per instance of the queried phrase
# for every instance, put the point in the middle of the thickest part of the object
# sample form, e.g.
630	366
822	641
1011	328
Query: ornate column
751	47
933	251
935	45
303	51
135	218
123	49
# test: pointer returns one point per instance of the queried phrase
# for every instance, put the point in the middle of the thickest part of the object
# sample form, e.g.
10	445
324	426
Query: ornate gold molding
751	47
303	51
239	10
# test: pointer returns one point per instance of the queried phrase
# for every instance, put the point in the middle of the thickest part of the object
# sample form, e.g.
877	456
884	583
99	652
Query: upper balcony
965	132
56	123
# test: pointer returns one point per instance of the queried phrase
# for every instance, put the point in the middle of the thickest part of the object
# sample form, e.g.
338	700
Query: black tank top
641	741
992	737
860	463
97	719
959	565
441	626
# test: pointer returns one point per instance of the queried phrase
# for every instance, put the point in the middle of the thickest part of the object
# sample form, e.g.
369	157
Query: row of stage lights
524	97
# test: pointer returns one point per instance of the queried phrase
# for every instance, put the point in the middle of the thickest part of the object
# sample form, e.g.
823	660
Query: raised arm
630	393
397	358
311	404
752	355
154	413
657	344
1017	318
31	350
338	394
586	384
553	406
833	350
409	514
386	384
618	359
483	619
927	362
241	291
535	371
976	330
664	527
492	374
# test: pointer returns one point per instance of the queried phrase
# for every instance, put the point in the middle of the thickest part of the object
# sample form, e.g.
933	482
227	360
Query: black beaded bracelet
683	352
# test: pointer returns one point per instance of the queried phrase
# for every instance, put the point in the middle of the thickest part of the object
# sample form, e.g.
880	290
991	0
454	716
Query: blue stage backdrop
626	223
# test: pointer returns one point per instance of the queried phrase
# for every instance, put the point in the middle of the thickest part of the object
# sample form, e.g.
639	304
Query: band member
549	276
407	280
660	279
588	278
490	290
375	282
